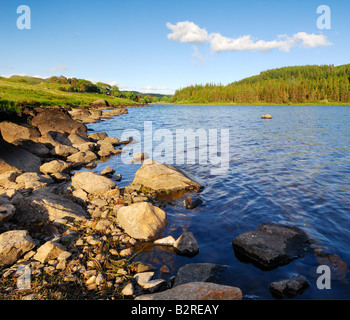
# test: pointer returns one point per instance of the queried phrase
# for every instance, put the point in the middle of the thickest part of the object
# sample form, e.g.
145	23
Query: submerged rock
198	272
271	245
290	287
192	202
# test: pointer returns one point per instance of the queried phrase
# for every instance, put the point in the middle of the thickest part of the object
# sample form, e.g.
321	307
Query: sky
159	46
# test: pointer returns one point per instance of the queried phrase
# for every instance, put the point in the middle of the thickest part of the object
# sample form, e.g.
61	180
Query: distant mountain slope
288	85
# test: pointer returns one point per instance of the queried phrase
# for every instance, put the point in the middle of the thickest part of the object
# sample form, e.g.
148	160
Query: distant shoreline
257	104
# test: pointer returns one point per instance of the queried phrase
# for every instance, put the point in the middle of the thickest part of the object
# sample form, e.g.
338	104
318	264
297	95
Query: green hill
311	84
19	91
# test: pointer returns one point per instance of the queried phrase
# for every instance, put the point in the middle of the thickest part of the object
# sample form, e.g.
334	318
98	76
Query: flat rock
44	205
33	180
163	177
198	272
13	245
92	183
167	241
196	291
7	209
82	157
142	220
186	245
271	245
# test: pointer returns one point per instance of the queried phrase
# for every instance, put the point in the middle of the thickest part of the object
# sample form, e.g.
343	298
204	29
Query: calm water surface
293	169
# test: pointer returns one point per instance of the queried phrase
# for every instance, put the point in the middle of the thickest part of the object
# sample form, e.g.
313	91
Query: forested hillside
288	85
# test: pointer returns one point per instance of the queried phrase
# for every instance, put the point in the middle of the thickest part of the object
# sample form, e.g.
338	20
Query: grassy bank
15	94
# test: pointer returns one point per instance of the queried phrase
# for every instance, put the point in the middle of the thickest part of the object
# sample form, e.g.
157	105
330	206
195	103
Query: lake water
293	169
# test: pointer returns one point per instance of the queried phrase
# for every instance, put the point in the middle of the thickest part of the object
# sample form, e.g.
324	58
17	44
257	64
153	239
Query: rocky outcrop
92	183
196	291
271	245
163	177
142	220
59	121
13	245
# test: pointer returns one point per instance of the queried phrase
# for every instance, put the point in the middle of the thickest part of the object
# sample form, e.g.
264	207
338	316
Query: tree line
288	85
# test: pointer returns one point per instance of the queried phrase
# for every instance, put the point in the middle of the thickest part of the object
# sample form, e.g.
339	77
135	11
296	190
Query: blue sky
160	46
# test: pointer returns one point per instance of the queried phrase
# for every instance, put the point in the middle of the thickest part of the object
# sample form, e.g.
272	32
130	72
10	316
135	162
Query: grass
16	93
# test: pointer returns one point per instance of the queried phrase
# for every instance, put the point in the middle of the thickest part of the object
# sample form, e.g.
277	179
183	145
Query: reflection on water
293	169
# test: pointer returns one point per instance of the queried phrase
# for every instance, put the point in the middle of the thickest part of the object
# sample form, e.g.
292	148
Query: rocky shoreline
76	235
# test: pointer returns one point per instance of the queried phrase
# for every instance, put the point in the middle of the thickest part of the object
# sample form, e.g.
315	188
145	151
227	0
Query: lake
293	169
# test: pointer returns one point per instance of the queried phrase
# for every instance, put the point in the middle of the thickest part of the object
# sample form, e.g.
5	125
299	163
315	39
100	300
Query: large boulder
271	245
196	291
142	220
13	158
33	180
164	177
198	272
44	205
92	183
12	132
13	245
59	121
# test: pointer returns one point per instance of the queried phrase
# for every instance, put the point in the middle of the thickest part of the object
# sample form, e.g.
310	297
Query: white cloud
197	54
57	68
189	32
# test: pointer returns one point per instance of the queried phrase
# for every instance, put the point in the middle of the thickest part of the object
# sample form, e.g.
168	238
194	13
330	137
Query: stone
142	220
128	290
92	183
51	139
163	177
13	245
13	158
82	157
107	171
103	225
33	180
85	147
192	202
196	291
106	149
37	148
55	166
9	176
112	140
59	121
7	209
266	116
271	245
289	287
62	150
198	272
138	157
44	205
167	241
49	251
12	132
96	136
76	139
186	245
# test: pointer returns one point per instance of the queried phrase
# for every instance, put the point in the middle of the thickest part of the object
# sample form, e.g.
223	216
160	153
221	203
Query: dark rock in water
289	287
186	245
198	272
192	202
271	245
